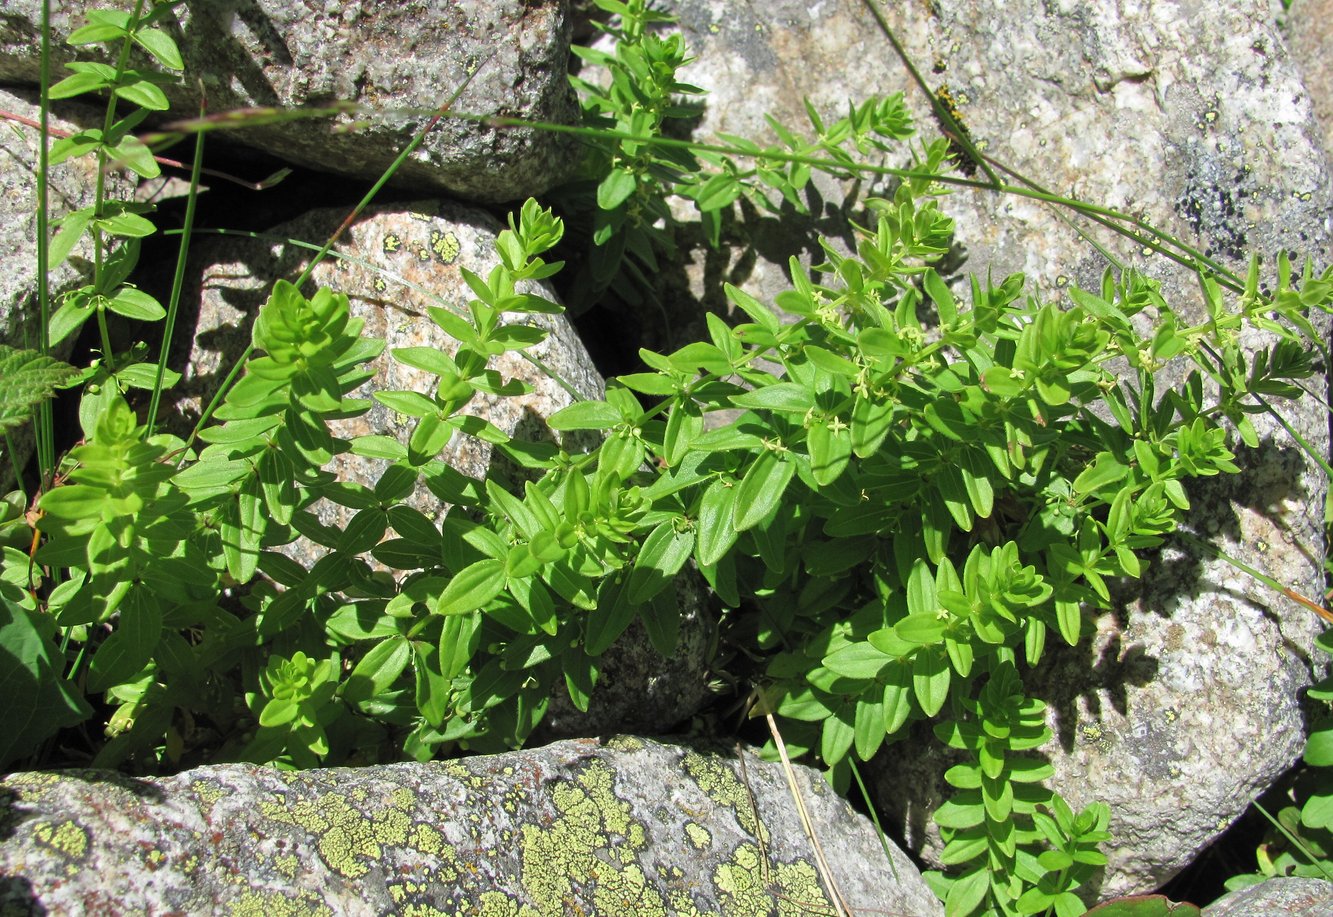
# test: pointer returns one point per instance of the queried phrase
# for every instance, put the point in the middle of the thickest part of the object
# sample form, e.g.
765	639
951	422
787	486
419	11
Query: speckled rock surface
1307	26
1276	898
384	56
627	827
1192	116
407	258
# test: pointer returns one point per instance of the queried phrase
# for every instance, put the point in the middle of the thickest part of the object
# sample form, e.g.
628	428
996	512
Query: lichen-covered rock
394	262
626	827
511	55
1308	27
1191	115
1285	897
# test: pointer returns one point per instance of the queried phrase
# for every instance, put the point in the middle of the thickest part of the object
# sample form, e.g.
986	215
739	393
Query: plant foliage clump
897	491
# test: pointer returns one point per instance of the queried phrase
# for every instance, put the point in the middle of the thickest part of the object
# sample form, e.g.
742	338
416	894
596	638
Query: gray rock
626	827
1191	116
396	261
1276	898
384	57
1308	28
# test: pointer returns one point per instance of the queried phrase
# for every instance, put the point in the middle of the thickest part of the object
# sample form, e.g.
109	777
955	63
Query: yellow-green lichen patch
499	904
697	835
30	787
720	783
445	246
683	906
286	865
274	904
67	838
346	837
749	887
594	841
625	743
207	792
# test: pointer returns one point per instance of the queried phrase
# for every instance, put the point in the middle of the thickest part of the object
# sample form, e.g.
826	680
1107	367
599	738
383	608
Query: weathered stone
1308	28
508	58
1184	705
396	261
626	827
1276	898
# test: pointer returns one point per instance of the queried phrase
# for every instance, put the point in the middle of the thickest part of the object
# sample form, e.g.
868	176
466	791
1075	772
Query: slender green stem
874	817
177	281
99	198
957	131
1256	574
1296	842
44	424
10	451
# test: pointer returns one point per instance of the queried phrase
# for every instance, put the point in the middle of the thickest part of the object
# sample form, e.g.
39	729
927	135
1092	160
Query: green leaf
606	622
414	404
472	587
377	670
39	701
830	447
27	378
585	415
868	728
432	685
1144	906
459	638
967	892
787	397
145	94
716	534
925	629
663	553
871	419
760	491
1319	747
838	734
930	680
857	660
161	46
130	647
616	188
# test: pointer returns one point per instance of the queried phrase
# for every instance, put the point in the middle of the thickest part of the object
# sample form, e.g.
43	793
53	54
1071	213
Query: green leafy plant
994	822
1301	840
894	492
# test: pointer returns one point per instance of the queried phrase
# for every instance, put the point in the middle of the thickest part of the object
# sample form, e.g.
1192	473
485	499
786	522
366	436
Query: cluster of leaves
892	491
632	96
994	823
1301	842
628	180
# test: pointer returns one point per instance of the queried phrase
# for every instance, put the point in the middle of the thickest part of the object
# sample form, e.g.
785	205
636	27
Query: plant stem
177	281
44	425
1256	574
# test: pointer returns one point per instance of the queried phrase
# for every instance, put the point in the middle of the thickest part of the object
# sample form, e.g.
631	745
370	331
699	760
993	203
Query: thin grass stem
177	282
